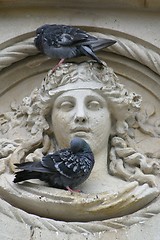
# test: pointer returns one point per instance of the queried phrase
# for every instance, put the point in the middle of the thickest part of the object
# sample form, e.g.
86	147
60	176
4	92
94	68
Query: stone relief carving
124	47
78	96
14	53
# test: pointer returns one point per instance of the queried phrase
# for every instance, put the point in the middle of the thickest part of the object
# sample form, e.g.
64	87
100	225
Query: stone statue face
79	96
82	113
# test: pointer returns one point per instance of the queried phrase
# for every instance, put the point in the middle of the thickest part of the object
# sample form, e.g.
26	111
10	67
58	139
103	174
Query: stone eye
94	105
66	106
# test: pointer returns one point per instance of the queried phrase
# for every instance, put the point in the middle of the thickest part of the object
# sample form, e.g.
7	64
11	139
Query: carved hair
33	113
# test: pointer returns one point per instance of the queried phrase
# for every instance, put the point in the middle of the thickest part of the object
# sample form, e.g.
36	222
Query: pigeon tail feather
25	175
101	43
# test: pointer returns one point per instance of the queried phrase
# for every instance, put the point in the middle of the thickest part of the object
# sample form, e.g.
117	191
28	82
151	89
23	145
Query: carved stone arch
21	55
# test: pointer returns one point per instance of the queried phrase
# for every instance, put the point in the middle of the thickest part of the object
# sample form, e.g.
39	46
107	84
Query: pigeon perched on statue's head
65	168
63	42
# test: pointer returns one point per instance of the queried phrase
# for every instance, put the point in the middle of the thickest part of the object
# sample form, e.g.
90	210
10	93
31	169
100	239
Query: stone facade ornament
86	100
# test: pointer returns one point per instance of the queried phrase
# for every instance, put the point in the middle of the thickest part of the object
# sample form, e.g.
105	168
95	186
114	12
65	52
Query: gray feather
62	169
63	42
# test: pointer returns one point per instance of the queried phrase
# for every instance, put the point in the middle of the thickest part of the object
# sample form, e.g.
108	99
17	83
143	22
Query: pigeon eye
94	105
66	106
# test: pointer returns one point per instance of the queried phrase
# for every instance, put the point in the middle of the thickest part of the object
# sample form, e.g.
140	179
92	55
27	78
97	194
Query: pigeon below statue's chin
64	169
65	42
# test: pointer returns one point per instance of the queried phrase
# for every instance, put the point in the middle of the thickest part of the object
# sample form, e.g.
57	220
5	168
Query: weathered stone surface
135	60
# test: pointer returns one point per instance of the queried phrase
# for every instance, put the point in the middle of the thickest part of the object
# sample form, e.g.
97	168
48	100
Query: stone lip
51	203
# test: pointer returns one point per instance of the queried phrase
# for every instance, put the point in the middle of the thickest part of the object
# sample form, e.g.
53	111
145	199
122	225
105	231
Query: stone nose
80	115
80	119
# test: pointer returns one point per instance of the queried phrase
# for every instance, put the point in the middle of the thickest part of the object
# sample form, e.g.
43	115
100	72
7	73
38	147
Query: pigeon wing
64	162
63	35
86	50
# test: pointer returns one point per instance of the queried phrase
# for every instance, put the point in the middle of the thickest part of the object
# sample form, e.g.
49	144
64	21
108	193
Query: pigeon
64	169
64	42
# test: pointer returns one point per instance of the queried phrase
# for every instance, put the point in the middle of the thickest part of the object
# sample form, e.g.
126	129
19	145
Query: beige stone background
138	20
